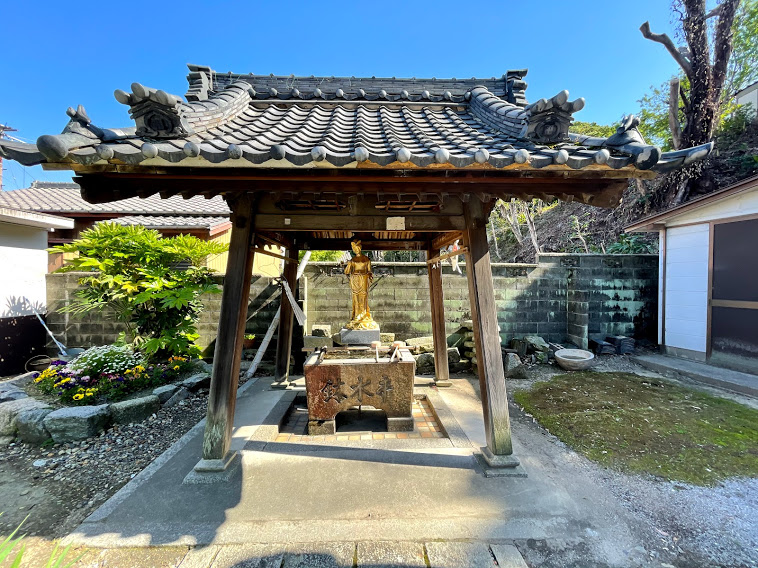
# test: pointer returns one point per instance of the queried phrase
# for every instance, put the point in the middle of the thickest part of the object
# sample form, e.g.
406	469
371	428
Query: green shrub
632	244
152	284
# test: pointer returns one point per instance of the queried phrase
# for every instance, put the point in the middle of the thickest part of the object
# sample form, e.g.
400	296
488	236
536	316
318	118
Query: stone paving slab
459	555
248	556
720	377
391	554
328	555
162	557
508	556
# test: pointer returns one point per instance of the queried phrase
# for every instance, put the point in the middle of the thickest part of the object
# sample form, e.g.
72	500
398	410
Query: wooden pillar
436	299
286	323
231	329
499	450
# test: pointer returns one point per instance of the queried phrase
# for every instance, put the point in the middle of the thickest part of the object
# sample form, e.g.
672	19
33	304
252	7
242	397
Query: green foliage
153	285
15	545
323	255
742	69
592	129
734	124
631	244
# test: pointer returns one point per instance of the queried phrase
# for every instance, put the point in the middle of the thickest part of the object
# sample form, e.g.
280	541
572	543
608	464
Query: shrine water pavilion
314	162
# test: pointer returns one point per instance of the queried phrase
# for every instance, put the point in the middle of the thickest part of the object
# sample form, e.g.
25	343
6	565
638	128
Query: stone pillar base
280	385
400	424
499	465
499	460
214	471
321	427
442	384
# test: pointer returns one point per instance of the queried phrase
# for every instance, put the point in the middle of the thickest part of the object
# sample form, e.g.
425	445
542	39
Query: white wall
23	265
742	204
687	287
750	97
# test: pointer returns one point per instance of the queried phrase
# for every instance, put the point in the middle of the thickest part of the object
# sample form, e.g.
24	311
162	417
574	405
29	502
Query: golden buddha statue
360	274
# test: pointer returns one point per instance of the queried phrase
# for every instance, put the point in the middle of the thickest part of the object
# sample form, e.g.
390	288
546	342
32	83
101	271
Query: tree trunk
491	228
511	215
532	229
676	129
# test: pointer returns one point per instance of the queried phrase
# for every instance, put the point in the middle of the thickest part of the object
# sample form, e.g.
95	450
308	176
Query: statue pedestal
359	336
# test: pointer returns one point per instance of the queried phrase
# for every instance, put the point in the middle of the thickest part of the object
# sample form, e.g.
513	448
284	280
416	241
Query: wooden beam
436	299
276	239
260	250
286	322
375	244
103	187
441	257
445	239
231	329
319	222
487	339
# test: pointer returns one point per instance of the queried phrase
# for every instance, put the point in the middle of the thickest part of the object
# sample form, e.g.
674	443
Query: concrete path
421	502
719	377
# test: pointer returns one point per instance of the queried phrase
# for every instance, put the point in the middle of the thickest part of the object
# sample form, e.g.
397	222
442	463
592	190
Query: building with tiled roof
204	218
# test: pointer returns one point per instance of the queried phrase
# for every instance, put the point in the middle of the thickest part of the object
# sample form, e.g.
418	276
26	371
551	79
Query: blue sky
60	54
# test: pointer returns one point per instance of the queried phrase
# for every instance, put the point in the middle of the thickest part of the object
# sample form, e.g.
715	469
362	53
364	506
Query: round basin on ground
574	359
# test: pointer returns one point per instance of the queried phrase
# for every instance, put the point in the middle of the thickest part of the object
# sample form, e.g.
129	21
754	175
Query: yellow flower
38	379
128	371
78	396
176	367
89	393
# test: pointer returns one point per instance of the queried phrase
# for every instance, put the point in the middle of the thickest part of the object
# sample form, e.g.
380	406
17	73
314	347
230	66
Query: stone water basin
342	379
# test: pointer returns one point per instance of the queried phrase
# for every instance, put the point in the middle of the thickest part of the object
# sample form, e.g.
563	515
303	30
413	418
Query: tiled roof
59	197
212	224
253	121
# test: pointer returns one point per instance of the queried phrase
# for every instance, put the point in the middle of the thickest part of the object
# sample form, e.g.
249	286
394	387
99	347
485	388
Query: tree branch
665	40
722	49
676	129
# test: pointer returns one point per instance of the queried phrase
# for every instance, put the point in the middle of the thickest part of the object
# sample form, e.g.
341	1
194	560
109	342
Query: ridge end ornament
156	113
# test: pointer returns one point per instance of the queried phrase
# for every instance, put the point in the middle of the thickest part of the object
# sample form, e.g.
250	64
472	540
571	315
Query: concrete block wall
564	297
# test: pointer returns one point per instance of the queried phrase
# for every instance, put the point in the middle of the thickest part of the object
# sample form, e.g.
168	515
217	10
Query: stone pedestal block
359	336
316	341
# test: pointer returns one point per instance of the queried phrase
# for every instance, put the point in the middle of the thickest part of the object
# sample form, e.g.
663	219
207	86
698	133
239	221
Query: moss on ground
643	425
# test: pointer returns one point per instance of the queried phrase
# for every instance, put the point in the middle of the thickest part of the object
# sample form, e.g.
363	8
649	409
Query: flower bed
108	373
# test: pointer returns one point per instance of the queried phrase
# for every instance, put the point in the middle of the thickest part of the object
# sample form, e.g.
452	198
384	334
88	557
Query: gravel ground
56	487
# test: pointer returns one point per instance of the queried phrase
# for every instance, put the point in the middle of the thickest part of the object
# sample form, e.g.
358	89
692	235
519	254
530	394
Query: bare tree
510	214
705	76
525	208
491	231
